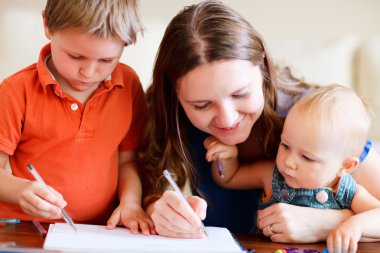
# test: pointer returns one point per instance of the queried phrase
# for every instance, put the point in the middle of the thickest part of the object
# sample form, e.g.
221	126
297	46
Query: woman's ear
46	28
348	166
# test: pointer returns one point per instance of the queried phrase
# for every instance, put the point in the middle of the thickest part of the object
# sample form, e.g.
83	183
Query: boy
76	115
321	142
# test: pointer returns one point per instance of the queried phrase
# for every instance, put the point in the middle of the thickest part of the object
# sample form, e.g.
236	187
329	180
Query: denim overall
282	193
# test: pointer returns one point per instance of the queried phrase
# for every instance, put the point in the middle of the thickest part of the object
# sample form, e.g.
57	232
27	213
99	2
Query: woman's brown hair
203	33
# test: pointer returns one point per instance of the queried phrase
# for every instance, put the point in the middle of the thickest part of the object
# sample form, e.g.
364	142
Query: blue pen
39	179
9	220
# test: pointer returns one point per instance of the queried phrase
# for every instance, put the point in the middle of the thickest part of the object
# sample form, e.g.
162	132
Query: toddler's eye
307	158
285	146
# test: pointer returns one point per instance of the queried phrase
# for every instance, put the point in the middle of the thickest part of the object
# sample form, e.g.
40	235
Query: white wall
278	20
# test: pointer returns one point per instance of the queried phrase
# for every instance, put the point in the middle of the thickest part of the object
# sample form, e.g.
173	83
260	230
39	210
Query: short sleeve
11	118
139	111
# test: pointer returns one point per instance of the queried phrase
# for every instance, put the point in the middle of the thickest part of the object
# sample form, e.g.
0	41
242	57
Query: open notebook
94	238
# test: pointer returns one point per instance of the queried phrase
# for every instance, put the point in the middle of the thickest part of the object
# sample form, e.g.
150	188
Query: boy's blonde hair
340	114
102	18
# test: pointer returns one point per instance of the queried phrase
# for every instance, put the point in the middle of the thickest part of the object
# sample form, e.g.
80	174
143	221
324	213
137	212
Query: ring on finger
271	230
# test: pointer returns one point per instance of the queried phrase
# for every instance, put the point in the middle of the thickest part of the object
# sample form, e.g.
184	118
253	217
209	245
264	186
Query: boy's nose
88	70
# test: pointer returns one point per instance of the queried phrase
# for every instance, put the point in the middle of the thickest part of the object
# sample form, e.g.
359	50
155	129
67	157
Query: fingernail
204	214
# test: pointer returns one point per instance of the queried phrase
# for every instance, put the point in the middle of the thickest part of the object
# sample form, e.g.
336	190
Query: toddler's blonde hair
339	113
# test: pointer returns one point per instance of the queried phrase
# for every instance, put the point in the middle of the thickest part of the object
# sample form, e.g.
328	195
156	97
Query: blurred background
323	41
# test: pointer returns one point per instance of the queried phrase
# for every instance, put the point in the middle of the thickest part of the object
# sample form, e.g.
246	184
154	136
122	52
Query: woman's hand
40	200
132	216
174	218
214	147
288	223
225	160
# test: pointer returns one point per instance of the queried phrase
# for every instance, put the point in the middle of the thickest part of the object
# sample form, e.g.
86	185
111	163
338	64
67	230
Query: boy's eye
106	60
75	57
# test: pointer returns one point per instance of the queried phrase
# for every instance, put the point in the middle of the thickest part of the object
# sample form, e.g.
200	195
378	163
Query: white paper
94	238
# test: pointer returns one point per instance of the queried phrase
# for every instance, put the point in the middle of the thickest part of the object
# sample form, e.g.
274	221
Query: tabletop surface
25	234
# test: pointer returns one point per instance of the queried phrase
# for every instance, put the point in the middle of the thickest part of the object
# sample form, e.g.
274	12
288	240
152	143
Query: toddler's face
306	156
223	98
81	60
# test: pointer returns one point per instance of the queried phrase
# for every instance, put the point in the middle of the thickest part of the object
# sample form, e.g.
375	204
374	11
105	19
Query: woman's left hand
288	223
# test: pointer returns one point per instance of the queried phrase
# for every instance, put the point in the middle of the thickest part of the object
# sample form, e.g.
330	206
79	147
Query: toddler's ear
348	166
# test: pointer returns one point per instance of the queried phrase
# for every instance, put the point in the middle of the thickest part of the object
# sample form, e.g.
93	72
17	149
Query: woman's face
223	98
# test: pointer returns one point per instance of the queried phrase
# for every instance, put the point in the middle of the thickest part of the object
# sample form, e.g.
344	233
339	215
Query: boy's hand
214	147
38	200
132	216
344	238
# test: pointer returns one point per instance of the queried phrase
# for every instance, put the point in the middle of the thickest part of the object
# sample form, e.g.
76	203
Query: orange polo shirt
73	147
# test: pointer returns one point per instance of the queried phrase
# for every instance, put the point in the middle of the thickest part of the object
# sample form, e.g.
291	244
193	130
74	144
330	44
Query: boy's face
82	61
307	157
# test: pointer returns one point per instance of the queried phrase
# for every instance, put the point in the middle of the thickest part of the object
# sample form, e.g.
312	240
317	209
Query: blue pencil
9	220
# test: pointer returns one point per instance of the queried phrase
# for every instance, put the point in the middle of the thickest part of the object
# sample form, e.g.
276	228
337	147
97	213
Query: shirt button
74	106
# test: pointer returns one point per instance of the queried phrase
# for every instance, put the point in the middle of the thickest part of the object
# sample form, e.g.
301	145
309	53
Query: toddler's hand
344	238
42	201
132	216
214	147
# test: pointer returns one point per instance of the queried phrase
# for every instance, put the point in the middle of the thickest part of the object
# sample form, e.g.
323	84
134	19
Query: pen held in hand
169	177
39	179
219	166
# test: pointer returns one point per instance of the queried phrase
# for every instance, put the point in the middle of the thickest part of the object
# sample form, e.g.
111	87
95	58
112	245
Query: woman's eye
200	107
242	95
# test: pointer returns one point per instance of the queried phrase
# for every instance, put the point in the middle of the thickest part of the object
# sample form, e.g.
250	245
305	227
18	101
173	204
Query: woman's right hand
174	218
42	201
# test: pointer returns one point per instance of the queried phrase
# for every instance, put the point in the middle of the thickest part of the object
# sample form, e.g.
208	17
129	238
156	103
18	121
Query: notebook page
95	238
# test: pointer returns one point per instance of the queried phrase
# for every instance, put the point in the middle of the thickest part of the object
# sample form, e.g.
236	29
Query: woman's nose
227	115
